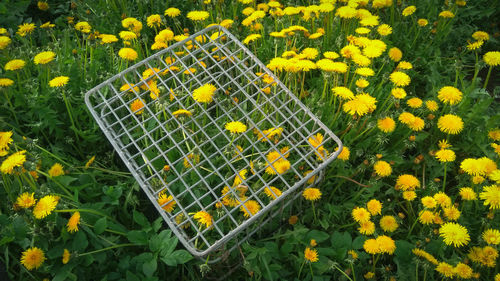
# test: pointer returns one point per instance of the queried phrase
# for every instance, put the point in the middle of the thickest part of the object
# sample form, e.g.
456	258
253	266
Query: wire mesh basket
213	184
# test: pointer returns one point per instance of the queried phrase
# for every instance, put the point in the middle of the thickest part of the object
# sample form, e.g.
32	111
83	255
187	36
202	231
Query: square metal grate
188	163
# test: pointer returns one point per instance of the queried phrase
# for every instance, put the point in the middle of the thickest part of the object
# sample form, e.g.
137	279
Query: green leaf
317	235
140	219
132	277
80	241
358	242
100	225
149	267
181	256
137	237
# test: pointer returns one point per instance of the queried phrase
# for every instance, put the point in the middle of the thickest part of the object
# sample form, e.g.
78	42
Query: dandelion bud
431	116
437	179
366	162
401	215
412	138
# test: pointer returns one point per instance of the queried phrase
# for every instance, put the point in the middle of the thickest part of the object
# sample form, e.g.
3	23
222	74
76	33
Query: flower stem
487	77
444	178
108	248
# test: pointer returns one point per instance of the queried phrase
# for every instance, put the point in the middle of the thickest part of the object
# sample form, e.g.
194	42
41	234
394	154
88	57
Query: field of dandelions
410	87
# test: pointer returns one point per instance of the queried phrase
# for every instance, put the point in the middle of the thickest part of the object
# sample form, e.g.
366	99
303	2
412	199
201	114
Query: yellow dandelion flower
386	125
386	244
5	141
343	92
491	236
395	54
4	42
414	102
409	195
400	79
73	222
408	11
311	255
154	20
442	199
426	217
374	207
83	27
137	106
362	83
198	15
431	105
384	29
454	234
167	203
311	194
66	256
251	38
450	95
205	93
364	71
480	36
250	208
360	214
451	213
182	112
382	168
366	228
491	196
272	192
128	54
450	124
398	93
108	38
316	141
388	223
446	14
14	65
32	258
127	35
445	269
467	194
25	29
172	12
344	154
371	246
407	182
360	105
463	271
59	81
91	160
428	202
492	58
6	82
422	22
44	57
236	127
445	155
423	254
16	159
25	200
132	24
203	218
45	206
56	170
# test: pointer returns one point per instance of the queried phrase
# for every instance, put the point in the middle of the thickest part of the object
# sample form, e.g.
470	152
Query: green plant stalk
105	249
69	113
57	183
353	273
90	211
300	269
375	262
7	187
444	178
343	273
487	77
314	212
107	230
